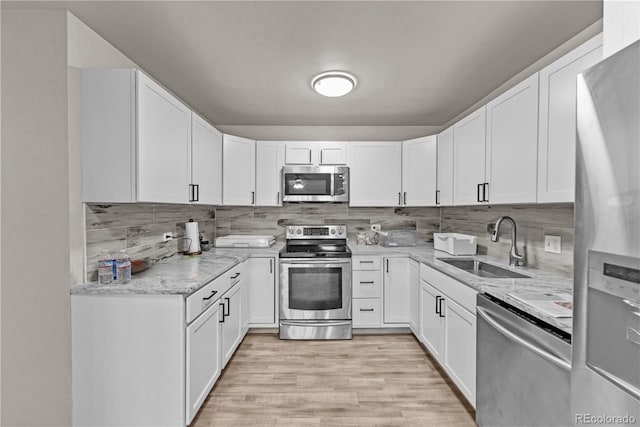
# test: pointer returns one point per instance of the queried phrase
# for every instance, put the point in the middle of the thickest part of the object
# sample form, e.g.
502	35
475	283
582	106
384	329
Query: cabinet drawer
366	263
367	313
203	298
367	284
462	294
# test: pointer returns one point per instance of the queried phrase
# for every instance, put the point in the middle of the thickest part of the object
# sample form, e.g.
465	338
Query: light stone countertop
180	274
540	281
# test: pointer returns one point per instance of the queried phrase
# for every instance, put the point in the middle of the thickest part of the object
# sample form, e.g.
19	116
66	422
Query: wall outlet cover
375	227
553	244
167	236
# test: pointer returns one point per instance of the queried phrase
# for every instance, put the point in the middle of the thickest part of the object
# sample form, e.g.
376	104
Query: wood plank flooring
372	380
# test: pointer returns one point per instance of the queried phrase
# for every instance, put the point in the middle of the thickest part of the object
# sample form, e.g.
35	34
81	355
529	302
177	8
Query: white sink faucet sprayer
515	258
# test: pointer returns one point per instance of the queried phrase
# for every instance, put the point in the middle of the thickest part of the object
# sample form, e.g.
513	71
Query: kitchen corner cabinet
396	290
621	24
512	145
269	162
136	139
262	292
448	326
376	173
557	122
419	171
315	153
206	162
239	171
469	145
444	192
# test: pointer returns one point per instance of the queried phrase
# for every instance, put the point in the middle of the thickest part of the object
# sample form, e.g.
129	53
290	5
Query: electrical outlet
167	236
553	244
375	227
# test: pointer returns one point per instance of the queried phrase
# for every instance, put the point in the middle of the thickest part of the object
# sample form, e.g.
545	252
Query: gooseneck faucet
514	257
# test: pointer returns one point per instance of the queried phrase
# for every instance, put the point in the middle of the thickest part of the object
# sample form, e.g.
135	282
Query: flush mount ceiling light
333	83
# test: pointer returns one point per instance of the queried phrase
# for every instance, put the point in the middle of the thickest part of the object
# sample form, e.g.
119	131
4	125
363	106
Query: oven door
315	290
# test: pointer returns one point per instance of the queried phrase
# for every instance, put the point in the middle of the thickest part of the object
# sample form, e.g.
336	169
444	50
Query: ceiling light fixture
333	83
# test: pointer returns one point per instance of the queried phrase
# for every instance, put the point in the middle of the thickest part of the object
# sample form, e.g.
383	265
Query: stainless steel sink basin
483	269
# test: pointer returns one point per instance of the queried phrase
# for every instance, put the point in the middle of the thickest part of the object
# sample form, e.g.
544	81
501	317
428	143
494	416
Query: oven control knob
333	231
340	231
299	231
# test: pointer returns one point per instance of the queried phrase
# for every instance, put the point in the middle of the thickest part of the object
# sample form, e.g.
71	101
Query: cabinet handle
479	199
366	262
405	197
440	313
309	156
366	309
223	315
387	265
485	192
210	296
228	313
437	301
278	198
196	192
399	199
253	197
437	197
320	156
371	282
235	276
191	192
270	266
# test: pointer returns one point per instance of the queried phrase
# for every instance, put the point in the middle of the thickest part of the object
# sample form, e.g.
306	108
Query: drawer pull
371	282
235	276
366	262
210	296
366	309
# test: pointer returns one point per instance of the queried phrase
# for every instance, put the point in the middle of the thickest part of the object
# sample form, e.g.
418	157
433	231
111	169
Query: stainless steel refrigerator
605	373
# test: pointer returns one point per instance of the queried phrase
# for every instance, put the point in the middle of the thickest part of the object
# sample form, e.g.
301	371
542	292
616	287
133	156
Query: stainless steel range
315	283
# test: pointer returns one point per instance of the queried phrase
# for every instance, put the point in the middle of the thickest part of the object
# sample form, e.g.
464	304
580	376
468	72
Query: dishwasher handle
563	364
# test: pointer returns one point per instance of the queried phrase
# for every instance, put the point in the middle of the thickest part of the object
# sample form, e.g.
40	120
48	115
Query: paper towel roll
193	237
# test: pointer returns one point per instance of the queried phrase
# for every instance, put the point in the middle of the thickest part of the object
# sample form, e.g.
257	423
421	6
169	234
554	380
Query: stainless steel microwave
315	184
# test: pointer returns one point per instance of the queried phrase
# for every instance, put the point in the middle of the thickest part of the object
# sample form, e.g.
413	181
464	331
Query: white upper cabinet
469	140
444	193
239	171
621	24
557	122
376	173
206	162
419	164
512	145
136	139
315	152
269	162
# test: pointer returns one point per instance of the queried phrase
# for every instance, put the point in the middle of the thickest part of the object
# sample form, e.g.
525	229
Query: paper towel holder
192	235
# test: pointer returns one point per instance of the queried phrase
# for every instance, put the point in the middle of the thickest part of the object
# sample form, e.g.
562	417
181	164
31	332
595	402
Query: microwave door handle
333	184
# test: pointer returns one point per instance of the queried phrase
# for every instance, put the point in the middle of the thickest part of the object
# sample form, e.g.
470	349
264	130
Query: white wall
35	320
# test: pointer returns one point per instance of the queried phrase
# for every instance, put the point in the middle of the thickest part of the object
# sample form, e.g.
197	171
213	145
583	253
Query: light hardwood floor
372	380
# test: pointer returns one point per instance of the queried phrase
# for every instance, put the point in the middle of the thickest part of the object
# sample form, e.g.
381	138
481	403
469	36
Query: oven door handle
314	323
562	364
306	262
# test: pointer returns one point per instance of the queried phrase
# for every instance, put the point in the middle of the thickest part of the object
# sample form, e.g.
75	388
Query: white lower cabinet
396	290
414	297
203	362
262	292
230	322
367	313
448	327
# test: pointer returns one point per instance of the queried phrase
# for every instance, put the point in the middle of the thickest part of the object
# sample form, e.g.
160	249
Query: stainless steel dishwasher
523	368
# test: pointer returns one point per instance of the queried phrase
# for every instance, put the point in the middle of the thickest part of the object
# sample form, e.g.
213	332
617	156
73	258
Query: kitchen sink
483	269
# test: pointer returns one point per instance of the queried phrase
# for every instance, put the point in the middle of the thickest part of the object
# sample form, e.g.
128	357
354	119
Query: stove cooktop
315	251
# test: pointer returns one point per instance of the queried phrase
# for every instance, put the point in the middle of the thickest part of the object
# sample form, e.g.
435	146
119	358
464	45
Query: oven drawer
367	284
367	312
366	263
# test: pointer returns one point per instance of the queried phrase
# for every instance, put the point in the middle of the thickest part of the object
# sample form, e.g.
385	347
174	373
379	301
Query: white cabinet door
269	162
300	153
206	162
396	290
460	348
512	145
332	153
239	169
621	24
262	291
419	169
469	138
444	196
203	366
164	140
376	173
557	123
367	313
431	321
414	297
231	322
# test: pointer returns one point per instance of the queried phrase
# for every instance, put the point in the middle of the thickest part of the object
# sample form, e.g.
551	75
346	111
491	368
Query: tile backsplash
139	227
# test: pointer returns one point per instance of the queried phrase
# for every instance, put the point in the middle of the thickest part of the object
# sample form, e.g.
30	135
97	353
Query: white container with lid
455	243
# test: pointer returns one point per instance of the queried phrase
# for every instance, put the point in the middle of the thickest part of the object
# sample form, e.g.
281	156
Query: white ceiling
418	63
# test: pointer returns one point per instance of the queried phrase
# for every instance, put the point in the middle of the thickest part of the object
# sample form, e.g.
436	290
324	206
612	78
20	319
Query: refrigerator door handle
519	340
